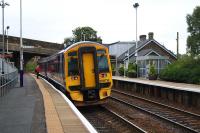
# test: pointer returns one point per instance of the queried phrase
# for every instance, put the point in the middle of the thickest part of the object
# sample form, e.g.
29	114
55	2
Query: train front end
88	73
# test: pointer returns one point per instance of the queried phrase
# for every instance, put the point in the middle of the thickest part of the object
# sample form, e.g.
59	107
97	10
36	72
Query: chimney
142	38
150	35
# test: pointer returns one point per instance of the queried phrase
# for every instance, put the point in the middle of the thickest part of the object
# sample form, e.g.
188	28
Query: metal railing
9	79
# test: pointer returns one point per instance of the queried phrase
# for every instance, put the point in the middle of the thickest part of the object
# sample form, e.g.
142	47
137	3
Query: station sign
6	55
28	47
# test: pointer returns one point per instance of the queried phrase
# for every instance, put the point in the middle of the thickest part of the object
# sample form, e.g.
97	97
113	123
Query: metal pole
3	48
7	38
21	48
136	37
124	70
136	5
116	65
128	53
136	46
177	45
83	37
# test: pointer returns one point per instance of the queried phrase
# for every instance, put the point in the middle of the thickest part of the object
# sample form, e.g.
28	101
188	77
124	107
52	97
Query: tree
193	40
86	34
68	41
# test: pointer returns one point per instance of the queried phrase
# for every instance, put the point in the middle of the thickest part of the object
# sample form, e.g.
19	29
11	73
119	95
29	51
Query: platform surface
37	108
22	109
166	84
60	118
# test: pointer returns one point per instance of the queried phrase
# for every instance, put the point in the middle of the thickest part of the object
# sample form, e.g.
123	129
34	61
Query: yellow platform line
53	122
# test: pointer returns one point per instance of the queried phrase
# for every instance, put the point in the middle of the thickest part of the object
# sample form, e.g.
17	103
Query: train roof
71	46
82	42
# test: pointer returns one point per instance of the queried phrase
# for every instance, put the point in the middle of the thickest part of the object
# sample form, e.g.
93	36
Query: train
82	71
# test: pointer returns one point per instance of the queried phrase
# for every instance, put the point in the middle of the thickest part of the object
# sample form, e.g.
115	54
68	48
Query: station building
149	51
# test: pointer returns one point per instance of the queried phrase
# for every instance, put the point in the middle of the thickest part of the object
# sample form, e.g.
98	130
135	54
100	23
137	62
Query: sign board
6	55
28	47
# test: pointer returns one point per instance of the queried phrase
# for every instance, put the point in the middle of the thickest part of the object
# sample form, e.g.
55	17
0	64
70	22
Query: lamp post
7	28
2	4
126	55
136	5
21	48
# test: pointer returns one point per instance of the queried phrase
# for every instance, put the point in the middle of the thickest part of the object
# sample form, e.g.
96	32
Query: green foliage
69	40
113	69
121	71
185	70
132	73
152	70
193	41
152	75
83	34
132	70
30	66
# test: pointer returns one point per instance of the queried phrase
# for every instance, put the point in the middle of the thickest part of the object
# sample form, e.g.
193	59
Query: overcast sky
114	20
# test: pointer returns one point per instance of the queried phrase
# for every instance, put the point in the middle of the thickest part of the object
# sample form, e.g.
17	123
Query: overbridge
32	48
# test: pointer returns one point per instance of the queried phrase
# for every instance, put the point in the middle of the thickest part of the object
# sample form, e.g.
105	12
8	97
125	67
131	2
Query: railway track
107	121
188	121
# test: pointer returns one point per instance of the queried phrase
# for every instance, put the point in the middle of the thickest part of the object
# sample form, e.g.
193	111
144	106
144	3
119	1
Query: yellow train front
88	73
83	71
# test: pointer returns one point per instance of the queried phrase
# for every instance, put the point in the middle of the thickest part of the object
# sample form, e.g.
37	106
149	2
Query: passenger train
82	71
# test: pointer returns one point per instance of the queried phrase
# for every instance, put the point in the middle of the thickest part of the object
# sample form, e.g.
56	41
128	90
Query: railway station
39	107
117	78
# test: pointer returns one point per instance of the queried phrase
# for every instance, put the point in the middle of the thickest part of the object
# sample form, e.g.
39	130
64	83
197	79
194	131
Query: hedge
186	70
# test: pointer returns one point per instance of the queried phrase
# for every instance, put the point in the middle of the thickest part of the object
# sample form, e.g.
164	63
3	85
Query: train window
101	51
73	66
72	53
103	64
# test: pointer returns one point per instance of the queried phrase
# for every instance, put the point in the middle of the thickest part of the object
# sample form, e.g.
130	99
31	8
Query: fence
8	79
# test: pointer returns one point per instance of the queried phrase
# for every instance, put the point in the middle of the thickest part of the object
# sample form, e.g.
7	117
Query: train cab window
103	63
72	53
73	66
101	51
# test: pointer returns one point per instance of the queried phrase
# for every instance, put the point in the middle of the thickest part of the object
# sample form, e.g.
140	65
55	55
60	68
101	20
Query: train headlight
103	75
74	77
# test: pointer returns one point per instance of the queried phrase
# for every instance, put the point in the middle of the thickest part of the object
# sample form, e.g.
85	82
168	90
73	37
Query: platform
22	109
166	84
39	108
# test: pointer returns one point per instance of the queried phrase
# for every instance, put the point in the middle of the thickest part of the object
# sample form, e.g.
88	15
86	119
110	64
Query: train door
88	70
88	67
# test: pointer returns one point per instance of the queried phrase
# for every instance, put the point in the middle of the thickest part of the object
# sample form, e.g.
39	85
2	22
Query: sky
114	20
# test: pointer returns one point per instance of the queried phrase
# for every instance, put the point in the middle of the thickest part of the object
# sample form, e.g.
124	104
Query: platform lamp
21	71
7	28
2	4
136	5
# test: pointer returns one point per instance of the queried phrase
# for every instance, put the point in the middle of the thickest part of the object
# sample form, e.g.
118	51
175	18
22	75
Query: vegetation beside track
185	70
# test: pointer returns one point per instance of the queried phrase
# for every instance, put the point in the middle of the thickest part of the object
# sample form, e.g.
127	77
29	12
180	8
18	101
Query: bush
132	70
132	73
152	73
121	71
184	70
113	69
30	66
132	66
152	70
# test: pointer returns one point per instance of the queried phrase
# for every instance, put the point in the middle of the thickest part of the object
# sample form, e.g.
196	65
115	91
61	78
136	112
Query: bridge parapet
39	47
36	50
